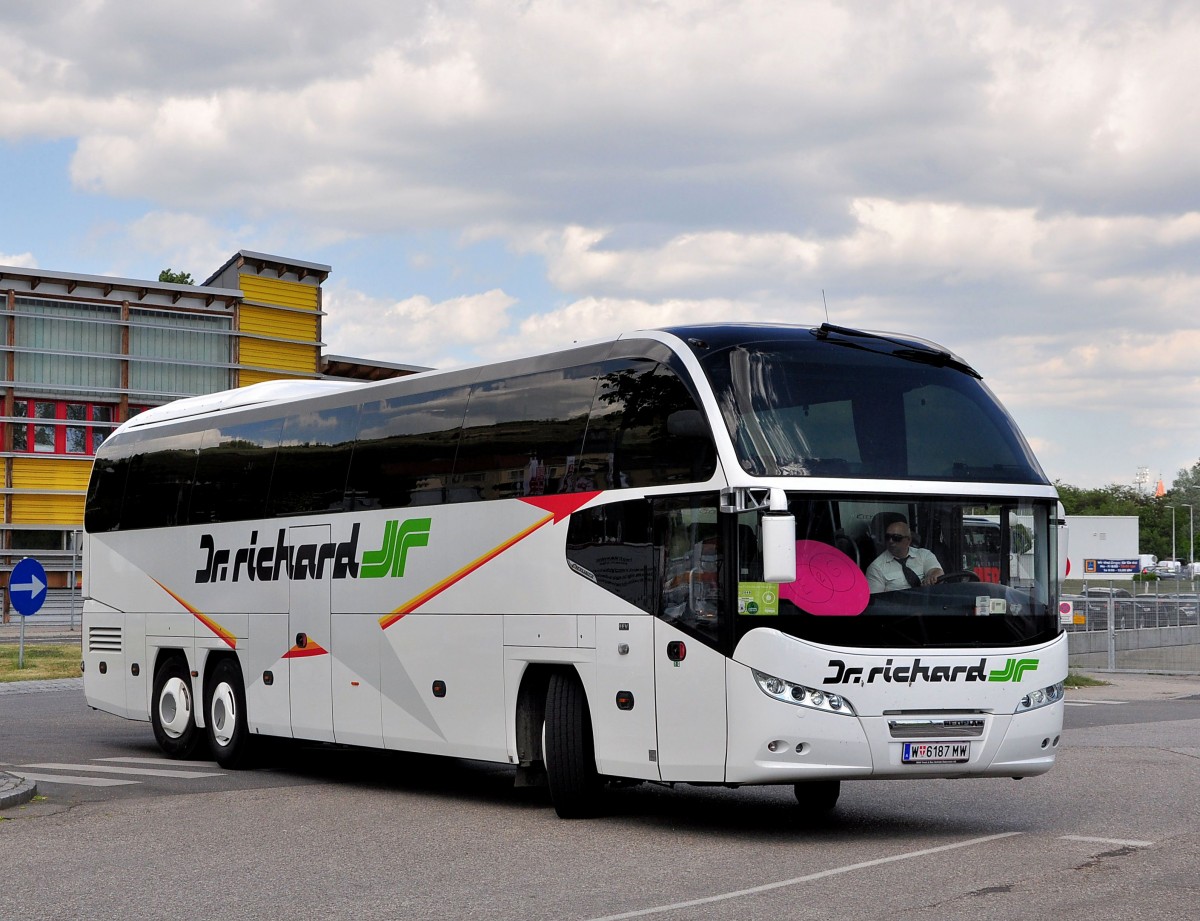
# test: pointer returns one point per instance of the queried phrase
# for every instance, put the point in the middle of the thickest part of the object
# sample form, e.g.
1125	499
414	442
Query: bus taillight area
898	714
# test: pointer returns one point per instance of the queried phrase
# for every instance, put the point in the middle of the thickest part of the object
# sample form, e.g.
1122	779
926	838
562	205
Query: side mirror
779	540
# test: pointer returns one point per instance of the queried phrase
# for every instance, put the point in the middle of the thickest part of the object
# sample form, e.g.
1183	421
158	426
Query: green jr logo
1013	670
398	537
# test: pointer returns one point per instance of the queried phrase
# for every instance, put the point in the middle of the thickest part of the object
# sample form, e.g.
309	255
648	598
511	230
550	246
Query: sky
1018	181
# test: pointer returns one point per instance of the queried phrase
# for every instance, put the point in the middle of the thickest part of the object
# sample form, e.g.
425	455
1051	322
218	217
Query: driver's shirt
886	574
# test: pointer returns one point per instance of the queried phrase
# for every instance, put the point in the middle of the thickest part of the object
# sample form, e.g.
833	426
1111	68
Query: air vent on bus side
104	639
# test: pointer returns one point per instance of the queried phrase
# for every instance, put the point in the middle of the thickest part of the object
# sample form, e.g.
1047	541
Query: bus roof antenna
826	303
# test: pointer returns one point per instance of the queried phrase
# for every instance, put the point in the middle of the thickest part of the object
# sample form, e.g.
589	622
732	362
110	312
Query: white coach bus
643	559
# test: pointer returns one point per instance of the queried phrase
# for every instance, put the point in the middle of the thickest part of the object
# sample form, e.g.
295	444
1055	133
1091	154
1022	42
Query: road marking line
103	769
754	890
1096	700
189	763
72	779
1119	841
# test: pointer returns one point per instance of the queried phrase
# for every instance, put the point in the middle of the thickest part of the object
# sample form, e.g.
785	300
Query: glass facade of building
83	353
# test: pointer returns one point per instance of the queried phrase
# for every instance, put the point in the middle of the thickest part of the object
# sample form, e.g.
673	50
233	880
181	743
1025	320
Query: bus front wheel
172	713
818	797
225	709
569	749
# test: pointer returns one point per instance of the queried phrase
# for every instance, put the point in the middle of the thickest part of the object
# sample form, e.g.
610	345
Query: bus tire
818	797
569	749
172	710
225	712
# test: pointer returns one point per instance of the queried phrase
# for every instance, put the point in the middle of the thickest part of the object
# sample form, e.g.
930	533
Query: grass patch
41	661
1076	680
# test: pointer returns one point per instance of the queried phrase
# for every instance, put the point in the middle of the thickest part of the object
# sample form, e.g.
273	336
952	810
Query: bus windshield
798	404
891	571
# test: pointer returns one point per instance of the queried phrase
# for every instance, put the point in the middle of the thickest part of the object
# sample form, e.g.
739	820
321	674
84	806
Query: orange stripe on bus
412	604
229	639
300	652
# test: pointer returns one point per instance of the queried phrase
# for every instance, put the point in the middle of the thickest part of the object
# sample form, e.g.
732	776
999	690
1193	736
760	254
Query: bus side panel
626	740
137	687
465	653
269	705
105	638
357	702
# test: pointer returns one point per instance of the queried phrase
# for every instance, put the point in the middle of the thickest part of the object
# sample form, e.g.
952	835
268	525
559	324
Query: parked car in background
1106	593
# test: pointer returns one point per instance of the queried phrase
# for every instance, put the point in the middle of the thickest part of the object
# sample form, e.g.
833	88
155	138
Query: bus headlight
1042	697
801	696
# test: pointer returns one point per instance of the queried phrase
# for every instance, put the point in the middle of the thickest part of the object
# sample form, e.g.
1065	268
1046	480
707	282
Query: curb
15	790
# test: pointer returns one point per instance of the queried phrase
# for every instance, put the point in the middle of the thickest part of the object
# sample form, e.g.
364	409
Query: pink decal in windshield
827	582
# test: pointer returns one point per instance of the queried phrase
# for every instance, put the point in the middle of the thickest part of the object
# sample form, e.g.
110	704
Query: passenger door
308	623
689	667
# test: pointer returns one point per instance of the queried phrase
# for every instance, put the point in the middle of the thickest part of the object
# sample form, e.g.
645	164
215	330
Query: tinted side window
611	543
646	429
312	461
687	539
405	450
159	485
106	493
522	436
233	472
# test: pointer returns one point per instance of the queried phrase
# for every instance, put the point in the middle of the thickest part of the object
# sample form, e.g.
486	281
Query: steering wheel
960	575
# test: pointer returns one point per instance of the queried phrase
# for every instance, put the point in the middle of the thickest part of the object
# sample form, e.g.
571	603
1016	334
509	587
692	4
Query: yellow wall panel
33	509
245	378
50	473
282	355
283	324
278	291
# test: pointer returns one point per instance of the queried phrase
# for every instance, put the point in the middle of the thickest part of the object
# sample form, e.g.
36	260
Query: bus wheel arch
225	716
570	749
528	722
173	711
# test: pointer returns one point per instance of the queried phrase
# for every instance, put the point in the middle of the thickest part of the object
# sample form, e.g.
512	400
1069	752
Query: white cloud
415	330
19	260
1021	182
707	115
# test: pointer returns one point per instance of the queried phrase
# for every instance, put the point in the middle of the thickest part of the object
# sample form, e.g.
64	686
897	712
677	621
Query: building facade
82	353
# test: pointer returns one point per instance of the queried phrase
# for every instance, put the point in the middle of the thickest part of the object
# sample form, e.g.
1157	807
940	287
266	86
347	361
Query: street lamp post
1172	508
1191	539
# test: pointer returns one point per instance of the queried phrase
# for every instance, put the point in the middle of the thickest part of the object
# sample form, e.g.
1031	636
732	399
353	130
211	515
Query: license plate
935	752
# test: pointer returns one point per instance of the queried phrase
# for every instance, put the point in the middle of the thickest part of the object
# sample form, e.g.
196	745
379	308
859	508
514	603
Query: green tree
175	278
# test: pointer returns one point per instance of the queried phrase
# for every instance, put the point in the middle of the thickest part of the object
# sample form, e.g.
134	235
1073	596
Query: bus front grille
957	727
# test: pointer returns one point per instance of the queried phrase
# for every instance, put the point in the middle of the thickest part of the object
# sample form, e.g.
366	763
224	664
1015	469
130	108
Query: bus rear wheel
225	716
569	749
172	713
818	797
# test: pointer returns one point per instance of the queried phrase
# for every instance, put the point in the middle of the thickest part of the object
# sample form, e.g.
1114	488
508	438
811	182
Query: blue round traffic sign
27	587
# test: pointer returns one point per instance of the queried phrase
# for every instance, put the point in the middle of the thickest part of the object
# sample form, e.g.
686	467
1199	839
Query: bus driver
902	565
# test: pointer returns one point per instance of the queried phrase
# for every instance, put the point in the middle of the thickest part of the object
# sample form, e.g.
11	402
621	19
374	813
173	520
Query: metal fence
1117	628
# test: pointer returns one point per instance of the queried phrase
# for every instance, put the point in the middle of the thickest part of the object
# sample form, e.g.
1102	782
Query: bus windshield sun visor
907	349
